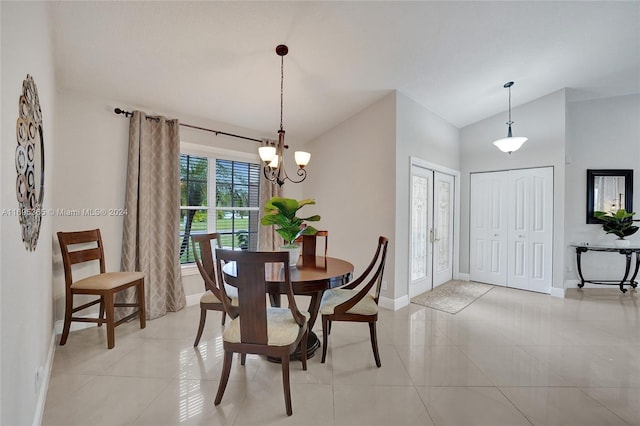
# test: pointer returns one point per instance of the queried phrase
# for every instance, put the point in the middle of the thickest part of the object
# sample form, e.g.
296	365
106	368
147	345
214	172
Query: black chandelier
273	156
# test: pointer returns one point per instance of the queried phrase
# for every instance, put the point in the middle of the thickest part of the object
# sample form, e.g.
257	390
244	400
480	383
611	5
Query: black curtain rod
216	132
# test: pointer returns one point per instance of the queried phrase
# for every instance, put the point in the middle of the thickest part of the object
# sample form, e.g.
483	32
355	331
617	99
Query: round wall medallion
29	163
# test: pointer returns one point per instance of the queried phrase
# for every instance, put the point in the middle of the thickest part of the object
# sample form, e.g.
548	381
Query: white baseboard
44	386
393	304
464	277
558	292
194	299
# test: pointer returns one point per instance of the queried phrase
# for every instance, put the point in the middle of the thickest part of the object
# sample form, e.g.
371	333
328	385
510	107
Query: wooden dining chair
349	303
105	284
256	328
309	243
210	299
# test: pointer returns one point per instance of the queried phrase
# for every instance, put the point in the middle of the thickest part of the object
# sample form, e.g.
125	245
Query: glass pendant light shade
267	153
274	162
510	144
302	158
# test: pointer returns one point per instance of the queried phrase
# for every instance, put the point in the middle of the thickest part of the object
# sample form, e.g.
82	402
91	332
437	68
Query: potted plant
619	223
281	213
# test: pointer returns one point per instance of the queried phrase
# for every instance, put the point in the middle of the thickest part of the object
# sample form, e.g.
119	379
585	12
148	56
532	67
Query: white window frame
212	154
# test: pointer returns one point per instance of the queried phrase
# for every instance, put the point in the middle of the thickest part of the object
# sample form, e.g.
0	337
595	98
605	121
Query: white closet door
443	190
530	229
421	222
488	228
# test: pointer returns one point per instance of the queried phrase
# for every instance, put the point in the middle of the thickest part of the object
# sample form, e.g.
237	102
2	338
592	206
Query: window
218	195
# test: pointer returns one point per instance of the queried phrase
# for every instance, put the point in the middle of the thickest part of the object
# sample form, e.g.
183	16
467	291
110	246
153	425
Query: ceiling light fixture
273	156
510	143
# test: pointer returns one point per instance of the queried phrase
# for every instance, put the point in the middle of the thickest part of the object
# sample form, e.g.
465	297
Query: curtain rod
216	132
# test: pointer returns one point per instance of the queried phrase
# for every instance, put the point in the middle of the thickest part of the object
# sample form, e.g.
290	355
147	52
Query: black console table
626	251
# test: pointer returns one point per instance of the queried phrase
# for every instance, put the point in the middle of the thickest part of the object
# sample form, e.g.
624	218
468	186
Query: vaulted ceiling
217	60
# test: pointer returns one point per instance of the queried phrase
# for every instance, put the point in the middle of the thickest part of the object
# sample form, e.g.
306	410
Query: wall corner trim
44	386
394	304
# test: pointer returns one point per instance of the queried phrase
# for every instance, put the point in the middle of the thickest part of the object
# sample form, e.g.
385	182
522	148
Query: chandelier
273	156
510	143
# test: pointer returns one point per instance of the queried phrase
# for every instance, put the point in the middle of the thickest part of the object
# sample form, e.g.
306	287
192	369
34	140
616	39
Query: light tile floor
510	358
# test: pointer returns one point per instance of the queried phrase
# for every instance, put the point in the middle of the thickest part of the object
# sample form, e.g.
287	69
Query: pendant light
273	156
510	143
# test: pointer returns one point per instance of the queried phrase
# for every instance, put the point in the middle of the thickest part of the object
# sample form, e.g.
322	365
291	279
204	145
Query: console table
626	251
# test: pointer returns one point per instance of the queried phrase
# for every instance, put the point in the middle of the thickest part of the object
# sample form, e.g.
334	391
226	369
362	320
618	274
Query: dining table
311	276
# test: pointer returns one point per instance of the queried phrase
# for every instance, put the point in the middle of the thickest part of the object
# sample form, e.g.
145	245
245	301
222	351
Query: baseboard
464	277
393	304
558	292
44	386
194	299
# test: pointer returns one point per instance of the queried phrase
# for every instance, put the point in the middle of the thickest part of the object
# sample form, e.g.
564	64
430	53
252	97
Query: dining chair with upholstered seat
256	328
309	243
104	284
210	299
350	303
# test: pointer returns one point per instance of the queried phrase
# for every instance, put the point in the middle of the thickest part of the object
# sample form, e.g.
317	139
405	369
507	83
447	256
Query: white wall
91	159
352	178
601	134
543	122
26	311
421	134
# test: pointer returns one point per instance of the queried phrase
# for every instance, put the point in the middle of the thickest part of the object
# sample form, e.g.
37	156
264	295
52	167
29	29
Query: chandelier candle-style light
273	156
510	143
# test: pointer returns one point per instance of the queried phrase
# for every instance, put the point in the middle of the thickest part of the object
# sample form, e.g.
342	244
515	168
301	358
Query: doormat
452	296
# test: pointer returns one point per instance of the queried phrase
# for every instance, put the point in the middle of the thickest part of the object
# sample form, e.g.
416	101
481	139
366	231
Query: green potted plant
619	223
281	213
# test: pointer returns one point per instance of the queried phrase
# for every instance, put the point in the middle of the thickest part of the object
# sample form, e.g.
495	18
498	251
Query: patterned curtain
268	238
150	241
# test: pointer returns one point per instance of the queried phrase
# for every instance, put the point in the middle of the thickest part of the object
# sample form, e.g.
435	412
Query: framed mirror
609	190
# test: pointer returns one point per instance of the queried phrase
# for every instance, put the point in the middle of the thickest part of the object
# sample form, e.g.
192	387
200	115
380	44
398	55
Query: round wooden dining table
311	276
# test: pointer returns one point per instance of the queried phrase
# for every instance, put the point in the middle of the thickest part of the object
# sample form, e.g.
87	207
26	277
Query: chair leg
224	317
67	320
141	305
303	348
243	359
374	343
109	311
286	384
226	369
325	337
203	318
101	314
329	328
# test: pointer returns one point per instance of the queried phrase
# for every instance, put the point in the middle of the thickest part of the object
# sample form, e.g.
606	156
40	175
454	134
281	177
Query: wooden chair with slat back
309	243
349	303
256	328
211	298
105	285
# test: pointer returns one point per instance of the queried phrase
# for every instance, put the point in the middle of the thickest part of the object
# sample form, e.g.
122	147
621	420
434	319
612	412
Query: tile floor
511	358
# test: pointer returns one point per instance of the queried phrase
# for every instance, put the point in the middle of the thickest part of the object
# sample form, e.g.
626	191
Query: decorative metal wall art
30	163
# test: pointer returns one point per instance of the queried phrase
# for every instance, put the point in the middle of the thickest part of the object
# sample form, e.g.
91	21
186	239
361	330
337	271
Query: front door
443	190
421	230
432	229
